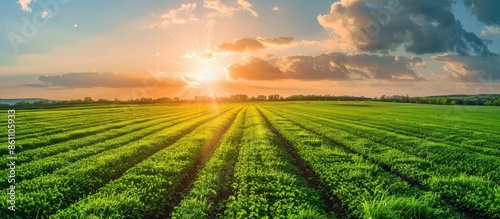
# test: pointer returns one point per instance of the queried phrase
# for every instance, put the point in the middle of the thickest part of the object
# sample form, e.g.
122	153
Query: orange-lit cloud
277	40
242	45
47	14
255	69
25	5
331	66
253	43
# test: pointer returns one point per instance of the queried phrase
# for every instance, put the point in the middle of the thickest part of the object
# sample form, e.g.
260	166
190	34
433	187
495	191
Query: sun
206	74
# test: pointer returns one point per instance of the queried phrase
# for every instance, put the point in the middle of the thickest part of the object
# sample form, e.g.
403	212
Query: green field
325	159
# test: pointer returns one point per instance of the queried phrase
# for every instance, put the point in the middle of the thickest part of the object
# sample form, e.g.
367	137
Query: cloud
25	5
254	43
490	30
46	14
203	56
331	66
182	15
276	8
107	80
224	8
242	45
423	26
245	5
471	68
485	11
277	40
255	69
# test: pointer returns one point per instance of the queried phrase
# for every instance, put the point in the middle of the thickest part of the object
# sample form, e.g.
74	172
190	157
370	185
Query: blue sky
280	46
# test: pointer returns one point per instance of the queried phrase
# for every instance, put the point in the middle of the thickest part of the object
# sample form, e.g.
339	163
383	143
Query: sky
70	49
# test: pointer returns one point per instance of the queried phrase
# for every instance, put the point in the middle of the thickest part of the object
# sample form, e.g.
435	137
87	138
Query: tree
88	99
239	97
23	104
382	98
101	100
273	97
496	102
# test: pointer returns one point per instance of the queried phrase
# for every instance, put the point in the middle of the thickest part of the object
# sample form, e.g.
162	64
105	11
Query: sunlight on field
316	159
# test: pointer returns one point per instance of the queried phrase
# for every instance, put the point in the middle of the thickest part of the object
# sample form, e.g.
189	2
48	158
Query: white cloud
25	5
245	5
276	8
226	9
46	14
182	15
490	30
75	25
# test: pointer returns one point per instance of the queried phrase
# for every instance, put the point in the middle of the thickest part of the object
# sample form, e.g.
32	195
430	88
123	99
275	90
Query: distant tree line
86	101
144	100
277	97
480	99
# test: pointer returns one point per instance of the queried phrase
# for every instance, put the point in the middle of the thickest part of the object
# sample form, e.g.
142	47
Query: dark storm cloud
423	26
331	66
486	11
471	68
93	79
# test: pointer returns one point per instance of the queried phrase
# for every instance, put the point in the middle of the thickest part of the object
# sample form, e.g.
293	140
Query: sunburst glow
205	75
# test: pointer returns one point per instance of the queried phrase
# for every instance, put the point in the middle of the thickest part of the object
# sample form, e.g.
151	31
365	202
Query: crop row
266	183
214	180
74	150
42	129
110	133
46	194
366	189
43	136
144	190
461	159
475	195
38	124
35	122
102	137
462	121
476	141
